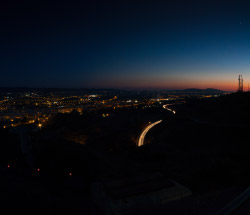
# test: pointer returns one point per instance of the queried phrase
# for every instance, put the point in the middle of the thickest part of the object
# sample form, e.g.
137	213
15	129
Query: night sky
125	44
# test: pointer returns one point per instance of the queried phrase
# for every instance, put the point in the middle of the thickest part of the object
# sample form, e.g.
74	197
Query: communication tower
240	84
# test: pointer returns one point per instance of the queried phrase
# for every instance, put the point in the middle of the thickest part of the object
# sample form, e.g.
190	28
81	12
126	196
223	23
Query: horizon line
117	88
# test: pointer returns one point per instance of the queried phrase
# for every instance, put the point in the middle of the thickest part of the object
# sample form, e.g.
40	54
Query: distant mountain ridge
96	90
207	90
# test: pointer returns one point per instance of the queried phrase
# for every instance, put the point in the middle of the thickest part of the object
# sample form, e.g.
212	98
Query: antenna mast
240	84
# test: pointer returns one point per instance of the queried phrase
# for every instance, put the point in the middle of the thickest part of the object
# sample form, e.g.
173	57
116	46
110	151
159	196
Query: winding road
145	131
169	109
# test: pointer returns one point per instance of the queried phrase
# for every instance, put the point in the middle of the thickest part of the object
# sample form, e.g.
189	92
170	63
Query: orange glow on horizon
225	85
218	79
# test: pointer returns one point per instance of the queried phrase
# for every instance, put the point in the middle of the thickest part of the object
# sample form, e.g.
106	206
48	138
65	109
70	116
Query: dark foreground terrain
204	146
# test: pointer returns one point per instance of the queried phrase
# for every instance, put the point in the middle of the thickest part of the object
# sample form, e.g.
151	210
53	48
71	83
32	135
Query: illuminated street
166	107
145	131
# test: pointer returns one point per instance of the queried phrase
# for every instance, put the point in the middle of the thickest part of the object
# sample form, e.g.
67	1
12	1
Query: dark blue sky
175	44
